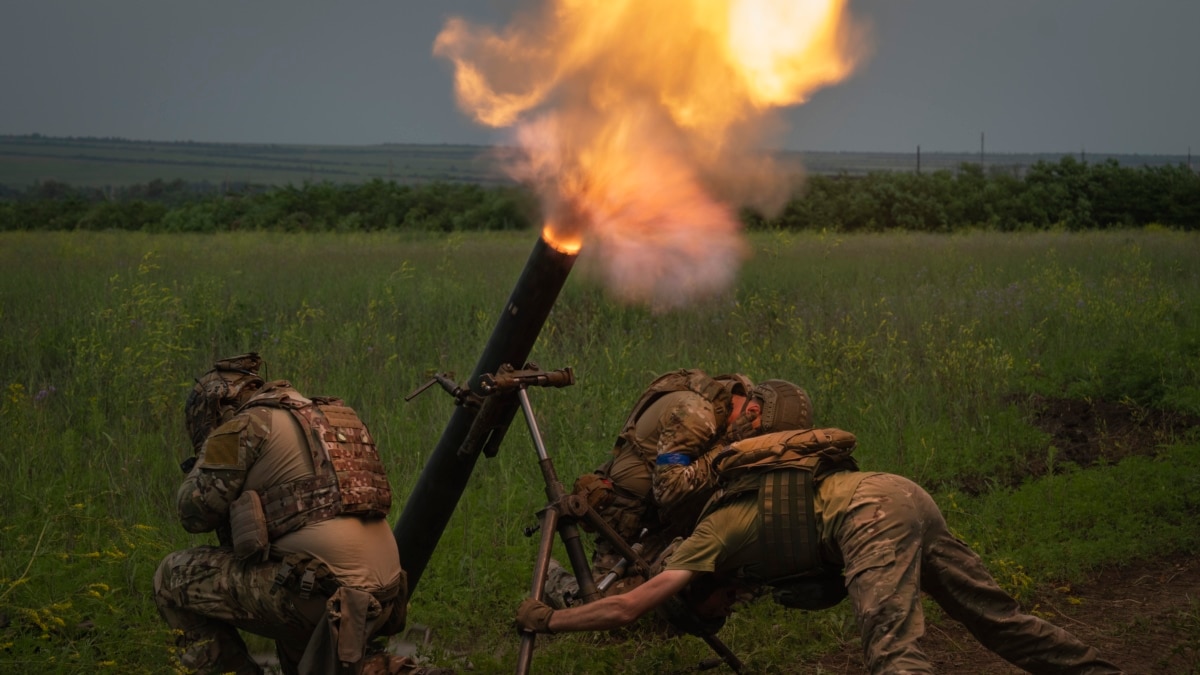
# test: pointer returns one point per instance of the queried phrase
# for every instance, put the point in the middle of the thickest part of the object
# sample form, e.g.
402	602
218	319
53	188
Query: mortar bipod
551	519
562	513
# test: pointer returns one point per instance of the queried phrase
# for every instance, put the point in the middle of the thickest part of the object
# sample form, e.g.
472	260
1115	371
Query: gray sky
1119	76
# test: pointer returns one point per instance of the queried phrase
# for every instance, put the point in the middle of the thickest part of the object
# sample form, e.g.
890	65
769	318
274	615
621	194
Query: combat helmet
219	392
736	384
784	406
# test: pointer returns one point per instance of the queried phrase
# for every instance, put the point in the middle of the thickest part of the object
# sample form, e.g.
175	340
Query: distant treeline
181	207
1068	194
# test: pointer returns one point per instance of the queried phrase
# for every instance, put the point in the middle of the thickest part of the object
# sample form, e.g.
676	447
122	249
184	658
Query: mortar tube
444	477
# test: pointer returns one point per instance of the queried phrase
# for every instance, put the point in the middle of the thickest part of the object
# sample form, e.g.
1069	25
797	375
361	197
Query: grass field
93	162
926	347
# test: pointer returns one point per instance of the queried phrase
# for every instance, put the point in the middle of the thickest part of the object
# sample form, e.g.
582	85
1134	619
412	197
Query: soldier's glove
534	615
597	490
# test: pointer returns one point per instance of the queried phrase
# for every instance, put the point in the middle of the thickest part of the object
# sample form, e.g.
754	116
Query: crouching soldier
680	417
794	513
296	491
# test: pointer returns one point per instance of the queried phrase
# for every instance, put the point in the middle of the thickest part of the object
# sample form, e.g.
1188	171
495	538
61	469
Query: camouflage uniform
334	583
893	542
677	423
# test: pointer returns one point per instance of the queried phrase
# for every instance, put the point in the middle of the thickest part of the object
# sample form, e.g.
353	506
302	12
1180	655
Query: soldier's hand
534	615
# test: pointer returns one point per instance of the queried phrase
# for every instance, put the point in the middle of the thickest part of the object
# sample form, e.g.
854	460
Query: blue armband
673	458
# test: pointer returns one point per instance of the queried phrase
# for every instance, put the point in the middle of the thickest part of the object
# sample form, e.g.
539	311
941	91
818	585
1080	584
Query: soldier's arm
688	431
673	483
219	474
619	610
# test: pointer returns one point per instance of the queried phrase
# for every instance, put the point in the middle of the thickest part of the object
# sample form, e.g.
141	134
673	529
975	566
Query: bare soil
1144	617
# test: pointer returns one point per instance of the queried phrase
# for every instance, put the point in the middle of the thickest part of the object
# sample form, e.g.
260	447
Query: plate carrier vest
784	468
349	475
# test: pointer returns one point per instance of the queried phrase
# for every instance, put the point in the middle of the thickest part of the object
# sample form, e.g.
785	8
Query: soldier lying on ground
679	417
793	512
306	556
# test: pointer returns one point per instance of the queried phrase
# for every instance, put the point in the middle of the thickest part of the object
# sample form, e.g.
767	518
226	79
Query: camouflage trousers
895	543
206	596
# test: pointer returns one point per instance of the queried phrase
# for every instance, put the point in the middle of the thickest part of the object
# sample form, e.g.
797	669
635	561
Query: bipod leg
552	524
724	652
569	532
537	588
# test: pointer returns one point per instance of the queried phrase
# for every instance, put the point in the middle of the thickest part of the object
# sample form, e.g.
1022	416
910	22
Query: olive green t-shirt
726	540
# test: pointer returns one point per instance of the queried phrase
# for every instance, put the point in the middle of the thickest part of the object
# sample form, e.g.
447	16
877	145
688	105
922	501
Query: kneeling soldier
297	493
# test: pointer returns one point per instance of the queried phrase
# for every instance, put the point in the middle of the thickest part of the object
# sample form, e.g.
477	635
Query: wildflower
44	393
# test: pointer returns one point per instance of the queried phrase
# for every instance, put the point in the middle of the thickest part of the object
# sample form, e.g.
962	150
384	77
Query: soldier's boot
214	647
562	588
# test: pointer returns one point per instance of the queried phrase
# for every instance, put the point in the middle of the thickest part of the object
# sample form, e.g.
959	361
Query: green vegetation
100	184
1068	194
178	207
921	344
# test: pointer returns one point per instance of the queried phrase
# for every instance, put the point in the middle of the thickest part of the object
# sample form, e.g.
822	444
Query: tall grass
916	343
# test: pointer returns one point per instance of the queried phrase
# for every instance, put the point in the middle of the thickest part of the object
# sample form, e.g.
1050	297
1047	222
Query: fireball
640	124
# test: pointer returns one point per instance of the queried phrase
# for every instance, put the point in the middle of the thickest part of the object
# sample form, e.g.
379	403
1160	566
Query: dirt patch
1145	616
1088	432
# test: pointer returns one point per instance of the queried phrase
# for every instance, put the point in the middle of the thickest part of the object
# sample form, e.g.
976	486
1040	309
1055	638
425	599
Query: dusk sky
1102	76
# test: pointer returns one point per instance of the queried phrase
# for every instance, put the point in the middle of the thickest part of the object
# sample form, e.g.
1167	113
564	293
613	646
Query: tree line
1069	194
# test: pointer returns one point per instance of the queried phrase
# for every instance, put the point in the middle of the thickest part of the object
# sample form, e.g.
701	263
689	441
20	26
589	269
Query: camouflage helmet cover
736	384
219	392
784	406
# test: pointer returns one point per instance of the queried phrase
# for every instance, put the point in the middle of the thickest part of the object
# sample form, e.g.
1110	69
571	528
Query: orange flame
634	121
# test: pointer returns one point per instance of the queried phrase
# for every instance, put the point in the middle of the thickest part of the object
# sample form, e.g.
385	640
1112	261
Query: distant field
101	162
26	160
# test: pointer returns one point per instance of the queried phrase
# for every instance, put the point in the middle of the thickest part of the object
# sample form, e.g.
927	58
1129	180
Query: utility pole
919	159
981	151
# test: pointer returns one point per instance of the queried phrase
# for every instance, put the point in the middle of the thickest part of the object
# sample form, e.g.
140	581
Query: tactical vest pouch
248	525
789	524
